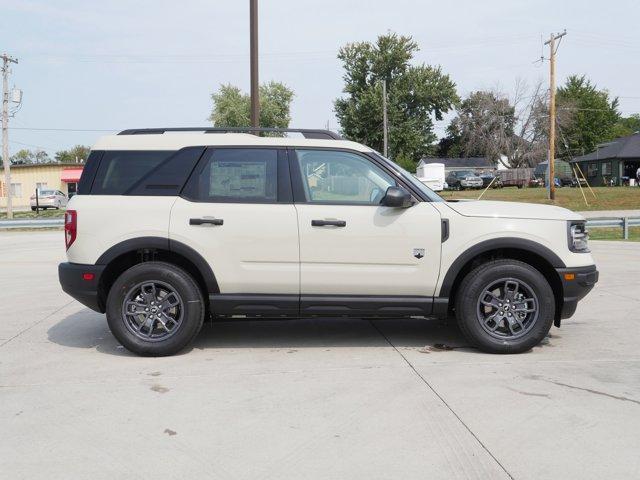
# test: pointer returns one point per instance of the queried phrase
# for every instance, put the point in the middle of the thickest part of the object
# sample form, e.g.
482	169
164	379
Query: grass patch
22	215
614	234
607	198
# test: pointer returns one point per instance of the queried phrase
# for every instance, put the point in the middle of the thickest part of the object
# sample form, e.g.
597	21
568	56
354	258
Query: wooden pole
552	111
253	41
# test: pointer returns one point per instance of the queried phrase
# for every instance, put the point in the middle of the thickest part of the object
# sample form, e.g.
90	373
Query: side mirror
396	197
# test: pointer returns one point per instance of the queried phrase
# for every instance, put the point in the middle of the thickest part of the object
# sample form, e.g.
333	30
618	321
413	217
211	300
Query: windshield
412	179
47	192
466	173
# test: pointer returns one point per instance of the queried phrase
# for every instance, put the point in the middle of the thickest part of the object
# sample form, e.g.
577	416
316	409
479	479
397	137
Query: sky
90	67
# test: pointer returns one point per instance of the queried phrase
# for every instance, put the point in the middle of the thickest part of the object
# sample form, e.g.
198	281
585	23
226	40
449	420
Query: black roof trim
317	134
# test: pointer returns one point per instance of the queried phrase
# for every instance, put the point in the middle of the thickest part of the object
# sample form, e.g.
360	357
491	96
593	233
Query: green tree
626	126
25	156
416	94
77	154
232	107
593	115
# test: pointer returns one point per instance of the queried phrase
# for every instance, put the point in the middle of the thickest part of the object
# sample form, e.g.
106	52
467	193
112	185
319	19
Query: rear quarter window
119	170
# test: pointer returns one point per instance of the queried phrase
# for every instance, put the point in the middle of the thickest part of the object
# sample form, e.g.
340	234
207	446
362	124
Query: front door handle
206	221
328	223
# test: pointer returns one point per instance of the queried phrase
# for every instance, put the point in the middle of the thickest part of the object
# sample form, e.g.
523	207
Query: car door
236	211
350	245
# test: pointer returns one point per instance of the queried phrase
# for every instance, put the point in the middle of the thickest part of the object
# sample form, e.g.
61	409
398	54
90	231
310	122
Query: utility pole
6	60
253	41
552	110
384	118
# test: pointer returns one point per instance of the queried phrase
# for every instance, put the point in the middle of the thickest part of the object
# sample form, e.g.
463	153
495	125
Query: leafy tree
24	156
415	95
626	126
594	116
77	154
232	107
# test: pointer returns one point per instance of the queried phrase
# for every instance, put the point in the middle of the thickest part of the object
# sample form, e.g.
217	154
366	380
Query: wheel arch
133	251
538	256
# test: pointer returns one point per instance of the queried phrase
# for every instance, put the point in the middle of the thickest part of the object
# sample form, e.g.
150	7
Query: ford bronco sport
174	226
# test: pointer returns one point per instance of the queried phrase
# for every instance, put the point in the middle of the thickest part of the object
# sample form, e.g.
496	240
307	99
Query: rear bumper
73	281
43	202
584	278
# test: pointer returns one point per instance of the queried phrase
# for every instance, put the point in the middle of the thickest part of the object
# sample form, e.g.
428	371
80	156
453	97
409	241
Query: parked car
491	179
168	230
463	179
48	199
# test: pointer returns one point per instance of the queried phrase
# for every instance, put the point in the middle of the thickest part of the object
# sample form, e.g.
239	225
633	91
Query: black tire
192	308
469	309
33	209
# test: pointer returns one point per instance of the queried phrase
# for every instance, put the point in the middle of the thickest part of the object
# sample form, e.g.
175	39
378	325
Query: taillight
70	227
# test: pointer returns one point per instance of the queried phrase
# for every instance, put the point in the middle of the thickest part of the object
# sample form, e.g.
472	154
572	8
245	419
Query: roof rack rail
306	132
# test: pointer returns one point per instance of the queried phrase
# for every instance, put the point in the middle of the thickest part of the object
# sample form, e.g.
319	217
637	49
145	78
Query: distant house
25	179
476	164
612	161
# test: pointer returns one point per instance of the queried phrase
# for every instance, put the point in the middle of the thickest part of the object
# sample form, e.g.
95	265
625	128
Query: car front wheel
505	306
155	309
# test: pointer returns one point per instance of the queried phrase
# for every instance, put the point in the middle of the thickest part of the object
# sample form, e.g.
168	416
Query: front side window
330	176
236	175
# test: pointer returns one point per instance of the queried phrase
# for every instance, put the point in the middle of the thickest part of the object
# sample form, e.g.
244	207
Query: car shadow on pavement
87	329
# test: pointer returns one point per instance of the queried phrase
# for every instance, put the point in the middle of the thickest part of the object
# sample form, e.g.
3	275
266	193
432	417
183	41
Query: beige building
51	176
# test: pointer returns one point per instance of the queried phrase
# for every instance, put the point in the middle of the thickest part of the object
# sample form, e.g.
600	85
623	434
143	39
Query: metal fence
613	222
606	222
32	223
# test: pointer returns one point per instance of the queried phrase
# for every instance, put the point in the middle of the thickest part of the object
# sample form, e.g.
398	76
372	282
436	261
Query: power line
67	129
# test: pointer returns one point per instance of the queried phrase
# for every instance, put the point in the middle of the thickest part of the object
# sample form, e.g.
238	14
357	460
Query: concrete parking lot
330	398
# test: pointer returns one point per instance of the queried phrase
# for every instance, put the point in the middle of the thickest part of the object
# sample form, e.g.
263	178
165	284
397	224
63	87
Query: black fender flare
496	244
163	243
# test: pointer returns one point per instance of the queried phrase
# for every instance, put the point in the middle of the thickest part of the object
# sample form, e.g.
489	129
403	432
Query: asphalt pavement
320	398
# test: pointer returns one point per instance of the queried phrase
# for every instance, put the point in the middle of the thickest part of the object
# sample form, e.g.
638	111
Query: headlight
578	237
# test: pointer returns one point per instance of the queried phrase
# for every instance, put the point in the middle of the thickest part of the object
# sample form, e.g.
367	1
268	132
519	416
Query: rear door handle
206	221
328	223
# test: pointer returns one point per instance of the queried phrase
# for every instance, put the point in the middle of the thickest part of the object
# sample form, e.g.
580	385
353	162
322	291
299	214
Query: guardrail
32	223
613	222
603	222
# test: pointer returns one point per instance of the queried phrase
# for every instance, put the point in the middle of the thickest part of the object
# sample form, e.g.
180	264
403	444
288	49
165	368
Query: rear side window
169	176
119	170
235	175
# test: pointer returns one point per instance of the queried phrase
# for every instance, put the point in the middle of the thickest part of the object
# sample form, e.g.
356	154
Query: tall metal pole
6	60
384	118
255	93
552	111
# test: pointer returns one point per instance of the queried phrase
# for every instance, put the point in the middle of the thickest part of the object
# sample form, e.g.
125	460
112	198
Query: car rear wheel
155	309
505	306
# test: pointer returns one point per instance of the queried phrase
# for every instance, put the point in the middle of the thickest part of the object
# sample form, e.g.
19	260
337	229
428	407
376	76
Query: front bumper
576	283
82	283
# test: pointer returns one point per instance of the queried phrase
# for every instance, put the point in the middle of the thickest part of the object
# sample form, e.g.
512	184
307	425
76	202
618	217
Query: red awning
71	175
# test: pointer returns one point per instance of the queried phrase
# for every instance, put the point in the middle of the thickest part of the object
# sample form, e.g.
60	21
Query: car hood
491	209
